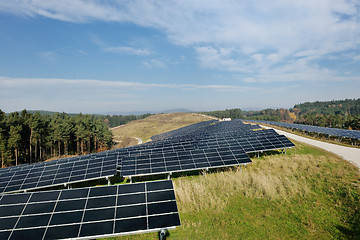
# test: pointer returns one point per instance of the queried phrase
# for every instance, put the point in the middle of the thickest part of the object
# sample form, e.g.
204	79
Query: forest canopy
30	137
337	114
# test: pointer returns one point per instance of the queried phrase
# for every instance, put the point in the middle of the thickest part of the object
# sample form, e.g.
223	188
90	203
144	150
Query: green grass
306	194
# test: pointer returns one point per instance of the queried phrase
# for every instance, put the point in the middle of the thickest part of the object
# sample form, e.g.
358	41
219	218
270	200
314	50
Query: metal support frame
162	234
169	175
108	180
130	179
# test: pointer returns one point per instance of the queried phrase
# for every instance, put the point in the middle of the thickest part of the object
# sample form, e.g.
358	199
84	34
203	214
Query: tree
14	140
34	123
66	128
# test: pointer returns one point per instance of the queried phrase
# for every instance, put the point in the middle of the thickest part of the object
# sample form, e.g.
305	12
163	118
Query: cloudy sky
143	55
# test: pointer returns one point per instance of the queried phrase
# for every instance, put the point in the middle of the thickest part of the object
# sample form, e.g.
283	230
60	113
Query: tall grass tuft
280	177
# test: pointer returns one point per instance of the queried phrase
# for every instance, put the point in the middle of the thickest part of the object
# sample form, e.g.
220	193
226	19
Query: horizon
177	110
127	56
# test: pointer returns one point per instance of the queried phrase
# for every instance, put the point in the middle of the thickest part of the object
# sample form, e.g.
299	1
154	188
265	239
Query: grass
156	124
306	194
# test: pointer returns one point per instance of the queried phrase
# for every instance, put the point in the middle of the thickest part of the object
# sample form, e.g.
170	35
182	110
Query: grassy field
156	124
306	194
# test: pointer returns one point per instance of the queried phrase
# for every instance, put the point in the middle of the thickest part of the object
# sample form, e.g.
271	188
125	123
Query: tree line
336	114
30	137
110	120
117	120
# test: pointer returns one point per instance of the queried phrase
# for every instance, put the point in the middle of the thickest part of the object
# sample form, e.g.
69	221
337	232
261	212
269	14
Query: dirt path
348	153
140	141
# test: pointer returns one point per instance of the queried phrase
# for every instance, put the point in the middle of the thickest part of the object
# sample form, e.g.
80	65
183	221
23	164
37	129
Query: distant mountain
45	112
177	110
136	113
42	112
182	110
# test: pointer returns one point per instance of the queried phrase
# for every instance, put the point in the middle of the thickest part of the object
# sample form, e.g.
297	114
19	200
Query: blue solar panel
355	134
95	212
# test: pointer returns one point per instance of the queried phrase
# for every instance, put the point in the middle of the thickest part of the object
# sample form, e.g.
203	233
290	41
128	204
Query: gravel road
348	153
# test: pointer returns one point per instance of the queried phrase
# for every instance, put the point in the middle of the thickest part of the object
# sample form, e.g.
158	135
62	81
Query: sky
143	55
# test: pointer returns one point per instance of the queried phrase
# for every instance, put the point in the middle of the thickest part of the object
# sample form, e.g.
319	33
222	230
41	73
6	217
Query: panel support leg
285	151
205	171
169	175
258	155
162	234
108	180
130	179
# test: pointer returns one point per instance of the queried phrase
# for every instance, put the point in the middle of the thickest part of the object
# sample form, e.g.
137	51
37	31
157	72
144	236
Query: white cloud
128	50
88	95
222	58
154	63
228	35
48	56
91	85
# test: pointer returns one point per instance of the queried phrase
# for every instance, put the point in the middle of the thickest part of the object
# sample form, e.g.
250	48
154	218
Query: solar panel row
186	129
214	128
355	134
89	212
251	144
168	162
39	176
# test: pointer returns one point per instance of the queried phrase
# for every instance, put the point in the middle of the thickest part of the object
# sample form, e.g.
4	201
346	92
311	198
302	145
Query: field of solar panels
306	194
229	180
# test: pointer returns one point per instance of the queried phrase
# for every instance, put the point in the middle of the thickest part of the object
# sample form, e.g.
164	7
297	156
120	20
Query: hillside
337	114
338	107
152	125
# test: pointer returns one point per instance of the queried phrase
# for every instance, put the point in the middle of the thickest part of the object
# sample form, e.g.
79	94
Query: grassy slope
307	194
156	124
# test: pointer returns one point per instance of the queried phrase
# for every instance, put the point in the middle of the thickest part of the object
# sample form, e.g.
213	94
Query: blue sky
125	56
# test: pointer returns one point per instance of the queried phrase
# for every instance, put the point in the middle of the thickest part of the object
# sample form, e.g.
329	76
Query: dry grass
124	141
271	177
156	124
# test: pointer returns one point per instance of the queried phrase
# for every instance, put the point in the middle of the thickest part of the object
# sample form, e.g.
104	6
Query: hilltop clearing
152	125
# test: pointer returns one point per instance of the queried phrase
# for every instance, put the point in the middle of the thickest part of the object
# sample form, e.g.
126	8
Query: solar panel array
250	144
179	131
67	171
89	212
123	209
211	145
180	161
194	140
355	134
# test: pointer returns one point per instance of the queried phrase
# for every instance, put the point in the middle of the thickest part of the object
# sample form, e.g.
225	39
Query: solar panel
248	144
43	175
89	212
167	162
355	134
